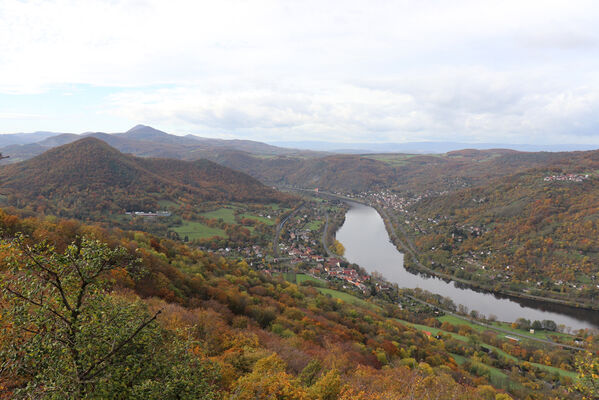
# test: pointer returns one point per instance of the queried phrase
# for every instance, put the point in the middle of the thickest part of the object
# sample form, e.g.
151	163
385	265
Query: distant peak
140	127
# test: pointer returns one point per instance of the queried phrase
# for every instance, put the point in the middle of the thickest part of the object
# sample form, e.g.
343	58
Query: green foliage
309	374
73	341
587	366
271	339
327	387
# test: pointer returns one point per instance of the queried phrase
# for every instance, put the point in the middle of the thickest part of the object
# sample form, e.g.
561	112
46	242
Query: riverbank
415	265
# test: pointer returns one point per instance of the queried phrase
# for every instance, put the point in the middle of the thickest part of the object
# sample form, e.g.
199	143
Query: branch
63	341
84	376
76	265
54	274
36	303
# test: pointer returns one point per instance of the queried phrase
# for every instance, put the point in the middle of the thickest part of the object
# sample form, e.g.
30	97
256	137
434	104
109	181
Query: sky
342	71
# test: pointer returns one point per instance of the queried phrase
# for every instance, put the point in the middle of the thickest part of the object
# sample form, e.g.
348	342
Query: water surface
367	244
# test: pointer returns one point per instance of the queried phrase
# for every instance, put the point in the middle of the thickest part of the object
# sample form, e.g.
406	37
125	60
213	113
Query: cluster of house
249	252
568	178
333	270
252	251
303	253
387	199
149	213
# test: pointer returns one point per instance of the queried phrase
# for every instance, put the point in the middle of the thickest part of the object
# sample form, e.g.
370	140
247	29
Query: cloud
21	116
335	70
469	105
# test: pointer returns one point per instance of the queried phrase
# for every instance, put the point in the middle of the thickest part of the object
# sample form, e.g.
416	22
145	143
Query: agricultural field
224	213
197	230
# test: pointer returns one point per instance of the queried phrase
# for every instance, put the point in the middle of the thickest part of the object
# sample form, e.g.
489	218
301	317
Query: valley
256	239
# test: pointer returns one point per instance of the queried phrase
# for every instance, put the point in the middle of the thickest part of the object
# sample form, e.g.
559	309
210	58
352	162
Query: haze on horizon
338	71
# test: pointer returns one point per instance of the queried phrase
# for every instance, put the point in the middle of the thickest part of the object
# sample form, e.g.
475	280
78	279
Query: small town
566	178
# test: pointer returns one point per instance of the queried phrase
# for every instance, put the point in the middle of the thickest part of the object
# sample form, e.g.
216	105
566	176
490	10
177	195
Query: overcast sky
355	71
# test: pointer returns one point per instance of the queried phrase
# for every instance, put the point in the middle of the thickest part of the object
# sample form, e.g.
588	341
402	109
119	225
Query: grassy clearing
300	278
538	334
225	213
452	319
314	225
348	298
265	220
458	358
497	350
167	204
496	375
197	230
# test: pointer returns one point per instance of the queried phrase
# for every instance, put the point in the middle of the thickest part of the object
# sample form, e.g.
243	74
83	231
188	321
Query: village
566	178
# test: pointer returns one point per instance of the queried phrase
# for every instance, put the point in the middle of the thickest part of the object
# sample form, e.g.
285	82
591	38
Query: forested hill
90	176
348	173
538	225
408	172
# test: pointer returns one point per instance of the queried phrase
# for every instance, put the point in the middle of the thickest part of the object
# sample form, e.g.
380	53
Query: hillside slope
534	230
345	173
89	175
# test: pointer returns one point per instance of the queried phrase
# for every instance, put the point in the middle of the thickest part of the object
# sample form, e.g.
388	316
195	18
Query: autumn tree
587	365
67	336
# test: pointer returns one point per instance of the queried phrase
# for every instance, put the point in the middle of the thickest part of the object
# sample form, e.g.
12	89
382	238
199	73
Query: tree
68	336
587	366
549	325
521	323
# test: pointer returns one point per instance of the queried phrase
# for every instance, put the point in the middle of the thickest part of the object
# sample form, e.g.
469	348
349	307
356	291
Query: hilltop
89	176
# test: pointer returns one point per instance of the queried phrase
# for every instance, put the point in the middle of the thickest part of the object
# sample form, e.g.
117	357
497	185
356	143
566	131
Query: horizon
416	147
279	71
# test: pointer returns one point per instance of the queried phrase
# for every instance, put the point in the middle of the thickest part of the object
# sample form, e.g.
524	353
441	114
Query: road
275	242
324	237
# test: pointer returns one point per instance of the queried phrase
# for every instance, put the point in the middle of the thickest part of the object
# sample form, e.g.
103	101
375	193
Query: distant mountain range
140	140
274	165
24	138
89	177
424	147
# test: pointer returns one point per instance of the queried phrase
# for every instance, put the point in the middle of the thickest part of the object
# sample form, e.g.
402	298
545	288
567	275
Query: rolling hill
89	176
532	230
145	141
307	169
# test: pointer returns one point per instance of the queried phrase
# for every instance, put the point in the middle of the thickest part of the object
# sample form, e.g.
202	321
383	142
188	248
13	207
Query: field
197	230
314	225
265	220
300	278
500	352
503	325
226	214
348	298
165	204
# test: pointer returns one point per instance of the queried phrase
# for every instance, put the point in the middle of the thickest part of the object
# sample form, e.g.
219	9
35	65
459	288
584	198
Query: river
367	244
